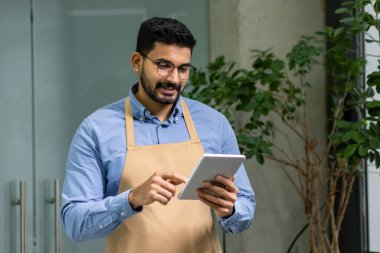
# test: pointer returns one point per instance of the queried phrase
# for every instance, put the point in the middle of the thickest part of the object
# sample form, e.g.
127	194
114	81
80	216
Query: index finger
174	178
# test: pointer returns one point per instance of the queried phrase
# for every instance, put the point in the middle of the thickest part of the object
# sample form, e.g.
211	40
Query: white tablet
208	167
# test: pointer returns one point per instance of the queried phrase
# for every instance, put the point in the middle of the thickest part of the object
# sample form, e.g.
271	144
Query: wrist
230	214
132	201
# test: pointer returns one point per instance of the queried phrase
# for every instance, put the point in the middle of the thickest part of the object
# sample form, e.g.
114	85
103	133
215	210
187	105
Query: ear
136	61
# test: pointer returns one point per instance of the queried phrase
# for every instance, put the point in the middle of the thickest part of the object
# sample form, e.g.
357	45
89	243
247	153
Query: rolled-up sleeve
85	213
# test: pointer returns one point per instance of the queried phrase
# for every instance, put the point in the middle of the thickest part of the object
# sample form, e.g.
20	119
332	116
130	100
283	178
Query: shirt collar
140	113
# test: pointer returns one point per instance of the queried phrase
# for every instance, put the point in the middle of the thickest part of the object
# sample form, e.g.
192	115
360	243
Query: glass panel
82	62
15	122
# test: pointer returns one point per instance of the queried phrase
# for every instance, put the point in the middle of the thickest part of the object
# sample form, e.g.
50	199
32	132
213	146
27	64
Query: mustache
169	85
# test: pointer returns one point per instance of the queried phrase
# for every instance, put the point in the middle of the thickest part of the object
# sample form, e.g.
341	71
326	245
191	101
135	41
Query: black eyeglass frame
173	67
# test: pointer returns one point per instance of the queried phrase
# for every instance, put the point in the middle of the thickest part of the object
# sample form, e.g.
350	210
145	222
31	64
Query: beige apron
182	226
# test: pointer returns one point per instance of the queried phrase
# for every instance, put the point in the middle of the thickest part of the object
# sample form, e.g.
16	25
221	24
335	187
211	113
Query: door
16	126
80	63
59	61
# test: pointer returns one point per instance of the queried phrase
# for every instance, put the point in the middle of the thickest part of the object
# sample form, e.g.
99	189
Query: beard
153	90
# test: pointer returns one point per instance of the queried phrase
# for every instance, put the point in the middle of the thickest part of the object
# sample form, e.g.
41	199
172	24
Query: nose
174	75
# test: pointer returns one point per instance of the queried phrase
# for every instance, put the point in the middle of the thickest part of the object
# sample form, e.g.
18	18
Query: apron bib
182	226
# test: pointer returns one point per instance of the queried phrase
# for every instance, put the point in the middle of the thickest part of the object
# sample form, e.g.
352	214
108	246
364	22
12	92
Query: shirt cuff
122	208
230	224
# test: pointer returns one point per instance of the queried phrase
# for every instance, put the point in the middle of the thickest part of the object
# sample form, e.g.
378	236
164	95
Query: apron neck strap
130	130
189	123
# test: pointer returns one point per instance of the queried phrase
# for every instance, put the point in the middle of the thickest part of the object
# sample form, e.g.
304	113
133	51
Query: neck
161	111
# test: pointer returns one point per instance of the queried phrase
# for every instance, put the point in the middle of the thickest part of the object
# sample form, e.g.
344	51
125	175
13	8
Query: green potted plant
325	171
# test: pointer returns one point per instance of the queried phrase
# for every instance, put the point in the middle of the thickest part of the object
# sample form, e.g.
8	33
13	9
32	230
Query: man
127	159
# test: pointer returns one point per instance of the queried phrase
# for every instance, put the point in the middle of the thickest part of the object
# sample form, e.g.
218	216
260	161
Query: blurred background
62	59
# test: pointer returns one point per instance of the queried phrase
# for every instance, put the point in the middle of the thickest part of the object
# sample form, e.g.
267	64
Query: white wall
236	26
373	173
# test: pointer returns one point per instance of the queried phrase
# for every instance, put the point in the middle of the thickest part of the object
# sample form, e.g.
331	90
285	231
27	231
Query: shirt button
122	213
101	226
176	119
85	229
141	118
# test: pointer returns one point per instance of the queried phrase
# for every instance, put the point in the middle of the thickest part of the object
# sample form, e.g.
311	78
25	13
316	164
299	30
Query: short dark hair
165	30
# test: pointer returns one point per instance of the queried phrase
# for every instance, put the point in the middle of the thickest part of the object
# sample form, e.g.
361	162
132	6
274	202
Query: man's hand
161	187
219	194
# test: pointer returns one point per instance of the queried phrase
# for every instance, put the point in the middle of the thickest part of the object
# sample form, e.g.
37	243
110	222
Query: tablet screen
208	167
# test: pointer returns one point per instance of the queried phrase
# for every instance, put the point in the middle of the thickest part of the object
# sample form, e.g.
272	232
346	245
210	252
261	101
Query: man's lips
168	91
168	88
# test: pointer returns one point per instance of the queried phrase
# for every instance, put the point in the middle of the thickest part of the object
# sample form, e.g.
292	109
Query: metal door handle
56	200
22	203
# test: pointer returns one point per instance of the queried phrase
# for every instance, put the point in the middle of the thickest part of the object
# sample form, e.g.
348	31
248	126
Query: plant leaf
350	150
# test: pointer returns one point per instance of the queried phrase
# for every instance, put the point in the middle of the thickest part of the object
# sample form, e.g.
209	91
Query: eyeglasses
166	68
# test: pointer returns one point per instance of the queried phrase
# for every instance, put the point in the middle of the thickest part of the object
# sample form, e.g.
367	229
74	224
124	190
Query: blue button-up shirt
91	207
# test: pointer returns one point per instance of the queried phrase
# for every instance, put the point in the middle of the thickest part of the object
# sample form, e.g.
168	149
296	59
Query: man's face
164	90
